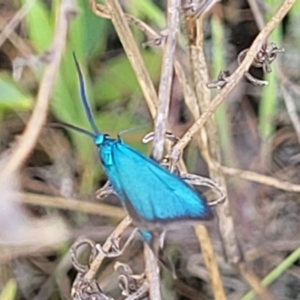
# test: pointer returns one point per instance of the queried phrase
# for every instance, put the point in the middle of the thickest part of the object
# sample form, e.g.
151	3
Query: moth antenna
69	126
83	97
130	130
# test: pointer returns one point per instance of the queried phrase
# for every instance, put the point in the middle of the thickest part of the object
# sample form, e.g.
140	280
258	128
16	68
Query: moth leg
105	191
168	135
115	250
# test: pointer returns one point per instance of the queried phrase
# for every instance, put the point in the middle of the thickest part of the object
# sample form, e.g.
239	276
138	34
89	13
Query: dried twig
164	92
118	231
14	22
122	28
210	262
15	39
160	124
210	148
292	110
290	105
29	137
234	78
257	14
103	12
263	179
254	282
72	204
134	56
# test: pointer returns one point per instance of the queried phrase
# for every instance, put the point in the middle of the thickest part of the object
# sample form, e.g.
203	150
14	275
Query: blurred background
256	129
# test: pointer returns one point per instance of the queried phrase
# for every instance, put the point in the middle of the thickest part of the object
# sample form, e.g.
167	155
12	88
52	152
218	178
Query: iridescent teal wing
151	192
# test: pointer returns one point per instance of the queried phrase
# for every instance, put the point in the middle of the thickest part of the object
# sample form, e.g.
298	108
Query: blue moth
154	198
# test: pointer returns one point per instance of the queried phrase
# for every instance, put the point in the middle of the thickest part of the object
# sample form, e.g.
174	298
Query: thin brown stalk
72	204
134	56
15	39
160	124
28	139
263	179
254	282
234	78
284	81
133	53
257	14
292	110
210	262
210	148
152	273
165	85
191	102
102	11
118	231
97	261
14	22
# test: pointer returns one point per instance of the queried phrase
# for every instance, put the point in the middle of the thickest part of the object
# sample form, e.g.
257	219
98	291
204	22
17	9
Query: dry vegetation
223	77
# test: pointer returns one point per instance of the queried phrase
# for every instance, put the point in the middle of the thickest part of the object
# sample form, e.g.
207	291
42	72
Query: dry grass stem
118	231
254	282
10	35
209	147
234	78
74	205
292	110
28	139
166	79
210	262
14	22
133	53
263	179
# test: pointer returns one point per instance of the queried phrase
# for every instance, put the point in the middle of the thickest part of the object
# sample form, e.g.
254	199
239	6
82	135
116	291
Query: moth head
99	139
